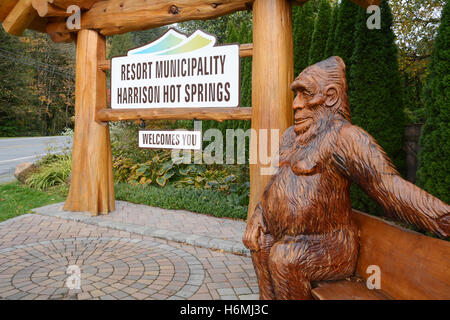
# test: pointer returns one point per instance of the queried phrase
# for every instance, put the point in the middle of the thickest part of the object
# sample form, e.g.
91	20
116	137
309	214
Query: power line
52	69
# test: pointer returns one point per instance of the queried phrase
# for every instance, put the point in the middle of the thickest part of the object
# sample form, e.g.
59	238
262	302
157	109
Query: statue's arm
360	157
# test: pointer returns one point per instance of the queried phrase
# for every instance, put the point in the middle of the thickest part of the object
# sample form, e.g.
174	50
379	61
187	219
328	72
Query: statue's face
308	99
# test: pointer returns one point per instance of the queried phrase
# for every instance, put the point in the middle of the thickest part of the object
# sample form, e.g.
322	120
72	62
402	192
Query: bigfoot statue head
320	90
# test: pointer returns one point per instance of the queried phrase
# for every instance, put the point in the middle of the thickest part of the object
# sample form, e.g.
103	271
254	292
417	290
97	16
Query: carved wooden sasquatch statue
302	230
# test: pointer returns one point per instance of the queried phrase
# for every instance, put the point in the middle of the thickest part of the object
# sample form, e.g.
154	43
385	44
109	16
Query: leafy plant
54	170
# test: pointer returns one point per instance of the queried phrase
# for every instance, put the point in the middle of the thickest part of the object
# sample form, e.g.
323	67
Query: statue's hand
255	228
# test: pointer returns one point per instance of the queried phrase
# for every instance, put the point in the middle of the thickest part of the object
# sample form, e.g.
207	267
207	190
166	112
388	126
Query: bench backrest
413	266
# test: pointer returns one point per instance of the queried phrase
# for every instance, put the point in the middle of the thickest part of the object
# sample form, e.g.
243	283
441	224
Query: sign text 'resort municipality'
177	71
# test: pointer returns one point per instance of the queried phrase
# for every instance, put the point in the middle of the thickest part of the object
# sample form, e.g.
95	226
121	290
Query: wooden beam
217	114
5	8
64	4
104	65
38	24
19	18
121	16
273	72
92	185
245	50
46	9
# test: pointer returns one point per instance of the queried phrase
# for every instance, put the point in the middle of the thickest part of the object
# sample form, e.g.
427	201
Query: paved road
17	150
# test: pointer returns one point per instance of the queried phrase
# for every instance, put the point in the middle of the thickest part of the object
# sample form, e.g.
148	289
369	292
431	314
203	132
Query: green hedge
434	153
375	92
320	34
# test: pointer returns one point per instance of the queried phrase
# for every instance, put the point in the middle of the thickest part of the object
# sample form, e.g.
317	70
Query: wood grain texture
91	187
346	290
217	114
121	16
413	266
64	4
246	50
303	231
19	18
46	9
5	8
272	67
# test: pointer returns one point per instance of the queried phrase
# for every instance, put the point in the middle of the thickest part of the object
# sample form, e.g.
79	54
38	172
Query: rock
24	170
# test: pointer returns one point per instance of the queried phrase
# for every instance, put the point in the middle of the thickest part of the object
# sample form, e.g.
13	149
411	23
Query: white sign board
177	71
187	140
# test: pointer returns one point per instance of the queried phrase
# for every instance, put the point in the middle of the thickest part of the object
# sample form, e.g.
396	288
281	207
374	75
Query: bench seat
353	289
413	266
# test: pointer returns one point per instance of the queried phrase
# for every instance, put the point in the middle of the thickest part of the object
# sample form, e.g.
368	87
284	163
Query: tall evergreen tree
14	91
320	34
375	90
143	37
329	49
344	41
245	36
241	33
434	155
120	44
303	27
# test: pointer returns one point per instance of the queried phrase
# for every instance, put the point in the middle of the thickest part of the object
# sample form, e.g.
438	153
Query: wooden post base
92	184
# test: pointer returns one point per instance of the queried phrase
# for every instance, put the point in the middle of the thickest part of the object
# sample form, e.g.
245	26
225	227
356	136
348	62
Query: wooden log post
19	18
272	74
91	187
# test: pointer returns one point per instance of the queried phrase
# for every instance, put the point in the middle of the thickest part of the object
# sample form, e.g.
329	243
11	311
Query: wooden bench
413	266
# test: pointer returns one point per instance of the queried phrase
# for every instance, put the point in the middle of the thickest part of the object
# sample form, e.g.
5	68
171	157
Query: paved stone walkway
129	254
176	225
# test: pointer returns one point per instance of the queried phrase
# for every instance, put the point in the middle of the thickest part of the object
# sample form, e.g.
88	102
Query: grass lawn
209	202
16	199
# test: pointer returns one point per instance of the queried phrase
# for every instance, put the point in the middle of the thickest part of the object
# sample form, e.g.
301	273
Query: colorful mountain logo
174	42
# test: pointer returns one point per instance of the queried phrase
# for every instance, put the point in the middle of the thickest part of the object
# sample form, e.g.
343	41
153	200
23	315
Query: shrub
161	171
375	92
320	34
434	164
302	29
53	170
344	37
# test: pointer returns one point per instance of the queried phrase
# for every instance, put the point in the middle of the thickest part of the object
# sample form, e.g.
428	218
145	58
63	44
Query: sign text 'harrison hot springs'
177	71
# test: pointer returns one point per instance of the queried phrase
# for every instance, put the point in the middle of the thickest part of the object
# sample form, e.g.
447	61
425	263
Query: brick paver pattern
36	250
